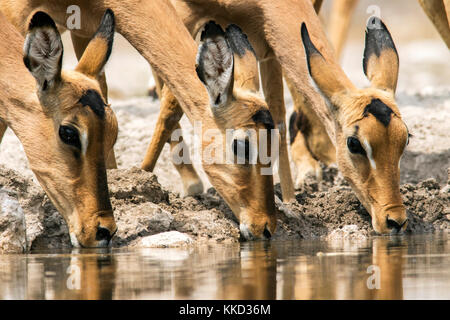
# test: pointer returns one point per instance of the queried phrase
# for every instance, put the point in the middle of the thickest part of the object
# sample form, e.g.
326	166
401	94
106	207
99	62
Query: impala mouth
395	226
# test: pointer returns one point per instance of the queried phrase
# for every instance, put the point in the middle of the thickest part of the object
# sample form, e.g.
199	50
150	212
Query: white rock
166	239
13	238
350	228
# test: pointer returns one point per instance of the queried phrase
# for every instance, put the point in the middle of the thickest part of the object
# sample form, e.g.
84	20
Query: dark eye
69	135
241	149
355	146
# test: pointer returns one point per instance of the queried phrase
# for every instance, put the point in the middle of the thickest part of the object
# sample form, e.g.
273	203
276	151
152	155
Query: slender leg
439	12
306	165
155	91
272	82
169	116
311	142
79	45
192	184
341	14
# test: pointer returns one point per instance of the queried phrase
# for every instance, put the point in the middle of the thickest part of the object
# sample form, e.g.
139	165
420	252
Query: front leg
439	13
341	14
168	121
309	140
272	83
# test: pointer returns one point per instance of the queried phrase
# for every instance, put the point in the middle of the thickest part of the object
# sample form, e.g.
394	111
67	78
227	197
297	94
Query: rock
13	238
139	221
166	240
429	184
348	232
135	185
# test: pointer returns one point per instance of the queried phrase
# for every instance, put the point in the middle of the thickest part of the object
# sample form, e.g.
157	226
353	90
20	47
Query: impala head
370	133
227	66
78	131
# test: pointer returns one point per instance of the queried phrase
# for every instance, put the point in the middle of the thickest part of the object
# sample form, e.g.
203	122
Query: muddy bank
142	208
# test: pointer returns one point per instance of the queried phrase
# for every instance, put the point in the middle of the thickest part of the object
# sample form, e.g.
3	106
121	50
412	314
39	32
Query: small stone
351	228
166	240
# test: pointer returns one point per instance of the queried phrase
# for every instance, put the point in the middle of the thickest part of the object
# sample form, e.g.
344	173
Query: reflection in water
381	268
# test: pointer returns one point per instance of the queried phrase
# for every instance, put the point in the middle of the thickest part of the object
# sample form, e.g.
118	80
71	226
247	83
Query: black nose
392	224
103	234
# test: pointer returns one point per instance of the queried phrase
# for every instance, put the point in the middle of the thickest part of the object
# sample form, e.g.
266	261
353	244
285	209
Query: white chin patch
74	240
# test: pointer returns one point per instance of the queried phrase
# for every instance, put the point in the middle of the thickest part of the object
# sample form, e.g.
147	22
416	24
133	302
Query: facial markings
264	117
380	111
369	154
84	143
93	99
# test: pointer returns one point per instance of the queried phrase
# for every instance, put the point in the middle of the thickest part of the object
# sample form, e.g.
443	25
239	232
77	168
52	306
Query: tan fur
275	34
439	13
341	13
77	187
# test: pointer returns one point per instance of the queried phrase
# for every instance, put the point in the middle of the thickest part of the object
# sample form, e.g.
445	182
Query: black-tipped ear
310	49
215	64
99	48
238	41
43	50
329	77
41	19
246	72
380	62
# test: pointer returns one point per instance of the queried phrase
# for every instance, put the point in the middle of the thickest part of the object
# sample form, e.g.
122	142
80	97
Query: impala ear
43	50
380	61
246	75
215	64
329	77
99	48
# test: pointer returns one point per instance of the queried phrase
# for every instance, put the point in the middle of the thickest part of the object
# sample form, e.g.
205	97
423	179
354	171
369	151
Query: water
413	267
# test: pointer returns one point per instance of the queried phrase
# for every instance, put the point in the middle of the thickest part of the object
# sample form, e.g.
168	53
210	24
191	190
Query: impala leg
272	82
341	14
310	142
192	184
156	91
439	12
79	45
169	116
304	162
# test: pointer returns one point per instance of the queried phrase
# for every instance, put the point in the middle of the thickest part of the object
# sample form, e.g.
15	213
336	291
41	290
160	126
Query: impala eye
355	146
241	149
69	135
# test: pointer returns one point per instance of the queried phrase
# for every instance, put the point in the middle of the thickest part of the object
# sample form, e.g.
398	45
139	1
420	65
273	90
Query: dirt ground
146	203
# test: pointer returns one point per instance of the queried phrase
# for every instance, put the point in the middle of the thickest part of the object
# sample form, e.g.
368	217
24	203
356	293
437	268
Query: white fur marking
369	154
84	142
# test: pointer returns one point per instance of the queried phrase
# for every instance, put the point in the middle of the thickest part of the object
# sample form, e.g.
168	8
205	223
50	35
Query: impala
62	121
365	125
159	31
309	142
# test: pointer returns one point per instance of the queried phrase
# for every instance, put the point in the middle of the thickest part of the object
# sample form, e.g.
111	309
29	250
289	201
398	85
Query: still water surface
409	267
